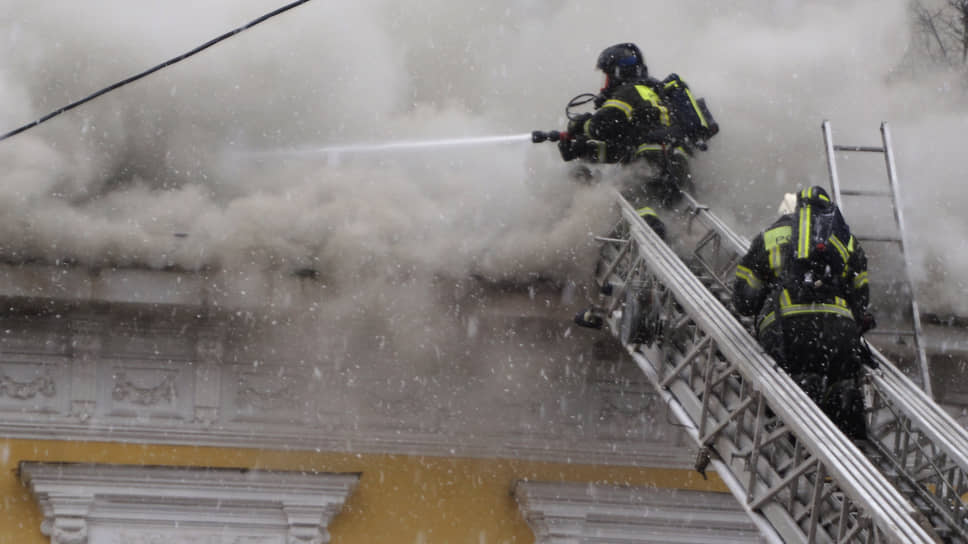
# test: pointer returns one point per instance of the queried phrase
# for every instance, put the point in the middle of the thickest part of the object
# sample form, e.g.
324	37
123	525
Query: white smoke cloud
116	179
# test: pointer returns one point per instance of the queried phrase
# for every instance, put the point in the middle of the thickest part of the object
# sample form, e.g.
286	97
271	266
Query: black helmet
622	62
815	196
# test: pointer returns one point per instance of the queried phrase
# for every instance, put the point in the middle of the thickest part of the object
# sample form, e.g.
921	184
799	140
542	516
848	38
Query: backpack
689	113
814	269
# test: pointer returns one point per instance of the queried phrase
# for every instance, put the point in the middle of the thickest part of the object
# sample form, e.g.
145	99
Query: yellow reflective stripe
801	309
860	280
772	240
646	211
651	97
648	147
775	262
805	309
748	276
695	106
624	106
585	127
785	300
777	236
803	242
807	194
839	246
767	321
659	147
702	119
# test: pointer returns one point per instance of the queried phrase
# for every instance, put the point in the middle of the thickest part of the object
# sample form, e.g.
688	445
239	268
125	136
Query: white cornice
571	513
76	499
373	442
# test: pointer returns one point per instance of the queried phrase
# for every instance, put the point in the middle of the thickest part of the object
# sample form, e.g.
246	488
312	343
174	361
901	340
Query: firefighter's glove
866	322
576	126
572	147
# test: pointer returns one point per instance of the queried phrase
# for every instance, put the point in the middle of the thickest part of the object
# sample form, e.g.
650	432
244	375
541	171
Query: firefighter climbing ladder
893	193
799	478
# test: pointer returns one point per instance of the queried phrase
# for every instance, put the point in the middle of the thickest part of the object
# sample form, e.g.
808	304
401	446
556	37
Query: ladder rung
894	239
865	193
873	149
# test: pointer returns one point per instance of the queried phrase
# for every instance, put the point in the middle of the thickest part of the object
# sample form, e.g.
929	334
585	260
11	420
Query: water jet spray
333	153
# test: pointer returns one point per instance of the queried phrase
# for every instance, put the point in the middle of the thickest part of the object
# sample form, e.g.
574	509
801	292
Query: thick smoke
188	150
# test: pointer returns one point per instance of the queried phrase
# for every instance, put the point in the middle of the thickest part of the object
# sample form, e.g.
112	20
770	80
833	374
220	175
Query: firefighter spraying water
637	120
652	126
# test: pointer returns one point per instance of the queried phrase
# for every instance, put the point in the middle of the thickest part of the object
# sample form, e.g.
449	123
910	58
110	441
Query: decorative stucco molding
93	503
266	392
126	390
580	513
149	357
41	385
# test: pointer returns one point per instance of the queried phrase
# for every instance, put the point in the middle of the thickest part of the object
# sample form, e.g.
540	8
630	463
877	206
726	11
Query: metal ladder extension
894	194
798	477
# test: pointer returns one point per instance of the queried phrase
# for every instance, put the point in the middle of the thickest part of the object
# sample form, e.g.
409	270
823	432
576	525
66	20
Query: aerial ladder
798	477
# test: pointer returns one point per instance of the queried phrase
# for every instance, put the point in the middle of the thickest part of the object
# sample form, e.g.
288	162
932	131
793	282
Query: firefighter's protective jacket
758	290
647	118
632	115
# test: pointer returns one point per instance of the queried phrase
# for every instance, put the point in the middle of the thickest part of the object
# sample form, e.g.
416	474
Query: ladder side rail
721	263
943	479
936	422
857	476
899	218
828	141
732	241
922	469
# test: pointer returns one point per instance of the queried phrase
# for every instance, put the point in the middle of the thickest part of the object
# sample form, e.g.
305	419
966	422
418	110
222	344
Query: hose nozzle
539	136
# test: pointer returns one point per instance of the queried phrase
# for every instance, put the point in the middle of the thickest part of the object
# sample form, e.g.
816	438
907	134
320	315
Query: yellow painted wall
399	500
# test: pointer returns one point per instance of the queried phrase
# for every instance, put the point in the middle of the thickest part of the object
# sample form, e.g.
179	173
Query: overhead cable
149	71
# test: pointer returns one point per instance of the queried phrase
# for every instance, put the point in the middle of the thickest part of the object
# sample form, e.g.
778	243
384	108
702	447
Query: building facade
163	406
